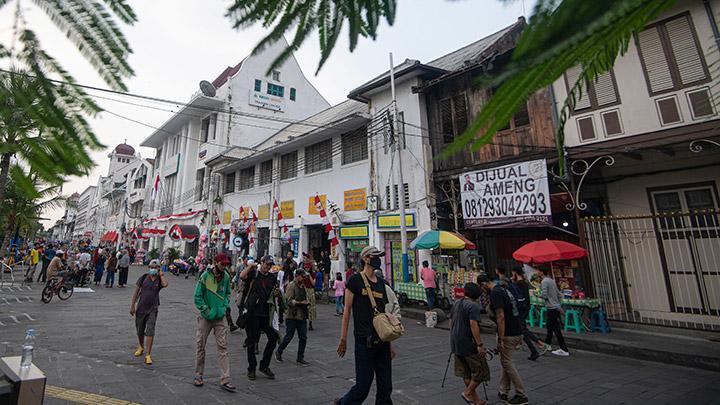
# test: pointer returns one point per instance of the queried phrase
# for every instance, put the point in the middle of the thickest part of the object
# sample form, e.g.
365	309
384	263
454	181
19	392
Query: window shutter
657	69
685	50
572	75
605	90
460	113
446	120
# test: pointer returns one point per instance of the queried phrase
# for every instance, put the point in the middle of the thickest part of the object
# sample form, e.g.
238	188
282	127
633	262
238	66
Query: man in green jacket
212	298
296	317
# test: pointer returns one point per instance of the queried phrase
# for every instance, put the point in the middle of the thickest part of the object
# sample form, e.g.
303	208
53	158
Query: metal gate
659	269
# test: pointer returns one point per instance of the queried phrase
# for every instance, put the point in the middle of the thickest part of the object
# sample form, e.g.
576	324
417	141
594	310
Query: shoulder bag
387	326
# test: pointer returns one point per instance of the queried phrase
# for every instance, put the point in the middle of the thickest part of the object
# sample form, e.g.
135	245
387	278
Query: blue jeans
370	362
110	278
291	325
339	304
430	295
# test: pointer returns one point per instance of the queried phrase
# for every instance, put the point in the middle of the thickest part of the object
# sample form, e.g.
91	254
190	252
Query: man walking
212	297
147	297
470	362
34	259
123	267
523	288
296	317
550	292
427	275
263	289
373	357
48	255
509	331
222	262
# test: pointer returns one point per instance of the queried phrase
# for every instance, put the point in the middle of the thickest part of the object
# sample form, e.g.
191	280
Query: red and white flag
326	222
155	188
280	220
217	217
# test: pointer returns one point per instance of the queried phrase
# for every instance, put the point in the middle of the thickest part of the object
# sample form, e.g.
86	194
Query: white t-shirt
84	258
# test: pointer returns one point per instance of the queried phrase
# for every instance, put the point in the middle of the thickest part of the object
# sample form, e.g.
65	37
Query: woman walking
98	261
111	267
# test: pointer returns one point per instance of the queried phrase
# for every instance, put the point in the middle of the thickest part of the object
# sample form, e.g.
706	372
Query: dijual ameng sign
512	195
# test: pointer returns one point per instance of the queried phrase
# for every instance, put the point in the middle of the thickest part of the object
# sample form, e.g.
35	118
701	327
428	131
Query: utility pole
401	197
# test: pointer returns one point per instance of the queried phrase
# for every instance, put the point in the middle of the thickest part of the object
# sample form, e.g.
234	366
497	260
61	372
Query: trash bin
18	385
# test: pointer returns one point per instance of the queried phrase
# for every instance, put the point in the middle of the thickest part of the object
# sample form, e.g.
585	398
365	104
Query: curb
613	349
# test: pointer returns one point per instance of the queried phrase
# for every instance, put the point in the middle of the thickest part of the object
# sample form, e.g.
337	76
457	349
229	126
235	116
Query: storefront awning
187	233
110	236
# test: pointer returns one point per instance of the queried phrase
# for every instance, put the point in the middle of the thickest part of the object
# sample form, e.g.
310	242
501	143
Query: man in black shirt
262	286
518	278
465	342
509	336
373	357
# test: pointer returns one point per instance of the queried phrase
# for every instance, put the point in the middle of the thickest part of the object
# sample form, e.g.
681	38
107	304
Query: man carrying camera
296	317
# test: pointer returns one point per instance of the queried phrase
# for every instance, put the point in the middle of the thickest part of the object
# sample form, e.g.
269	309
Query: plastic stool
572	320
542	317
598	321
532	318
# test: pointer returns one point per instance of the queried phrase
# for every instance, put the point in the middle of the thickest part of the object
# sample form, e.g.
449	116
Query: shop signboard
263	211
227	217
287	208
355	200
392	221
508	196
268	101
312	209
354	232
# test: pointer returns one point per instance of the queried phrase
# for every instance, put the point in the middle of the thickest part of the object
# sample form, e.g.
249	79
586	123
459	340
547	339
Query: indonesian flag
326	222
217	217
280	220
156	187
243	216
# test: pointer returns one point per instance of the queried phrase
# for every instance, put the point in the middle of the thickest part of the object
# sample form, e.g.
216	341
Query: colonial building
227	121
644	138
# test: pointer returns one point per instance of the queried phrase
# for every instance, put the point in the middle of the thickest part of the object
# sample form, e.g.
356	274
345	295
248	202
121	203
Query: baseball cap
267	259
222	258
371	251
154	263
483	278
300	273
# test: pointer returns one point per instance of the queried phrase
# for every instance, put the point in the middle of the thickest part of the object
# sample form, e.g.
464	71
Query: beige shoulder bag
387	326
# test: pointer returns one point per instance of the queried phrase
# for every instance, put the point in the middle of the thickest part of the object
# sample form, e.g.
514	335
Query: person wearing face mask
212	298
147	298
373	357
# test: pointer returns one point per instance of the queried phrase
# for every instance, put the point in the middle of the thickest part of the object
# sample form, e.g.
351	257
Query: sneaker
148	360
251	376
518	400
503	397
545	349
533	357
278	356
561	353
268	373
139	351
303	363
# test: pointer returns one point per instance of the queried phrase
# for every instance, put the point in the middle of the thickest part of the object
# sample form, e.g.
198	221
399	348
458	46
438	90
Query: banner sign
287	208
506	196
386	221
263	211
312	208
354	199
354	232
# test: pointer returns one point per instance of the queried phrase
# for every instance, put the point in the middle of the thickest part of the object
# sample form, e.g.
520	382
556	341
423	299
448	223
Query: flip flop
467	401
228	387
198	382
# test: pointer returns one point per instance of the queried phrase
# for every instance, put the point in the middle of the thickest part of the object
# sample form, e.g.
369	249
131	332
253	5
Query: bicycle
61	287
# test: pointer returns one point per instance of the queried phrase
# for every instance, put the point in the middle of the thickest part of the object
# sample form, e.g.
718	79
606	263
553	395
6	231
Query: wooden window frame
229	187
347	146
265	179
310	164
451	98
279	93
592	94
243	174
288	172
670	56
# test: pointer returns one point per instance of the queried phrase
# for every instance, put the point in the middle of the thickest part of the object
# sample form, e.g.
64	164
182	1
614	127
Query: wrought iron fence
661	269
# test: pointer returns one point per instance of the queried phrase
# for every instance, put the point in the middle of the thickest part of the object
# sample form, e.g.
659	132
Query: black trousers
257	324
528	337
554	328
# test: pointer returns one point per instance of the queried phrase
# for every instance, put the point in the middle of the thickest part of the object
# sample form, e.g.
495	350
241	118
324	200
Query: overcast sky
177	43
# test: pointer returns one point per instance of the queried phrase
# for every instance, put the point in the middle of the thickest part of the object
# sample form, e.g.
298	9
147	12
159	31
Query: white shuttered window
670	55
598	94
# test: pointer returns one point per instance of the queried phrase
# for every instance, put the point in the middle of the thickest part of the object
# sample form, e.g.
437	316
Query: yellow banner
287	208
312	210
246	214
354	232
227	217
355	199
393	221
263	211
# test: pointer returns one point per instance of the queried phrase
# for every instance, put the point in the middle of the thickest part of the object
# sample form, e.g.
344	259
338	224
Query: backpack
520	299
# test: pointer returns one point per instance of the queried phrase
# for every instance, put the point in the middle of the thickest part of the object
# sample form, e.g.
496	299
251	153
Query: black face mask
375	262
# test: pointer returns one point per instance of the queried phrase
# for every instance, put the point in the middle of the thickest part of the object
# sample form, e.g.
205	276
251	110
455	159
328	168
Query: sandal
228	387
198	381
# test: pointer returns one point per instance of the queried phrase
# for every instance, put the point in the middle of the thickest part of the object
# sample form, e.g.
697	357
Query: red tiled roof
223	77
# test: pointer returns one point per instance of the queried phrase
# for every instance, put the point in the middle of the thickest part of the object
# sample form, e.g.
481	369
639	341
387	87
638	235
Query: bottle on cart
27	349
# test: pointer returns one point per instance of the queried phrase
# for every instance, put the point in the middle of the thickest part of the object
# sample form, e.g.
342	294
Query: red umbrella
544	251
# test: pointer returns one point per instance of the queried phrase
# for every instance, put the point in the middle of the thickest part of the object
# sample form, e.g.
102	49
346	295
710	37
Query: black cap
483	278
267	259
472	291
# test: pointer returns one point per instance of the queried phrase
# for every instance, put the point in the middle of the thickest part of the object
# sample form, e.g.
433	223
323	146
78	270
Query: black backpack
523	306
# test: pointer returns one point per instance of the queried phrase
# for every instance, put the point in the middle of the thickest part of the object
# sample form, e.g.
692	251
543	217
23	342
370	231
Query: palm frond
325	16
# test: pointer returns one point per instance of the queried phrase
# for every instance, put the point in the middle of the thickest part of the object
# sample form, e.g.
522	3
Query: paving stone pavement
86	344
